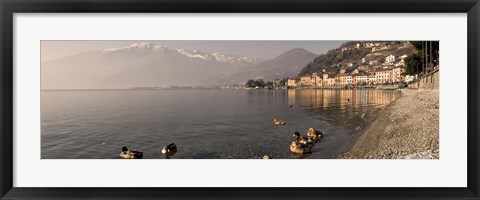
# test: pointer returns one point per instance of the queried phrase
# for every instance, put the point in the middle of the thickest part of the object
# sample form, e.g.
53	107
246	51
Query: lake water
205	124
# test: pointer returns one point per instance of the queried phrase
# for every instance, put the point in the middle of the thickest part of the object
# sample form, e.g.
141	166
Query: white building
348	80
390	59
409	78
360	79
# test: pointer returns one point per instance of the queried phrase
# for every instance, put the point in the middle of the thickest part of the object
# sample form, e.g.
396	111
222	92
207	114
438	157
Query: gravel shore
407	129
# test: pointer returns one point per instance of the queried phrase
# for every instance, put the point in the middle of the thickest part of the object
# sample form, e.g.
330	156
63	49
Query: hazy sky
258	49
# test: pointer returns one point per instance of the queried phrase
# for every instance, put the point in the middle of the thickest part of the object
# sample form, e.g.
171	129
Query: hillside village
354	64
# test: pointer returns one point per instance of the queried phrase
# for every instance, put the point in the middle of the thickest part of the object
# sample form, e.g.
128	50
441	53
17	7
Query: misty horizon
56	49
132	64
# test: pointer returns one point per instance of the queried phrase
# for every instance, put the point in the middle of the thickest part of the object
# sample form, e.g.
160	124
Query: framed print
248	100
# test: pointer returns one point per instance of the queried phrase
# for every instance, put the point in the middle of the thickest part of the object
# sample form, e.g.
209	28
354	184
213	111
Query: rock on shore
407	129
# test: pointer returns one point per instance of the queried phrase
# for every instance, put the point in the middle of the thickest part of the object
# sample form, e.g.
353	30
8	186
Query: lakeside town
389	68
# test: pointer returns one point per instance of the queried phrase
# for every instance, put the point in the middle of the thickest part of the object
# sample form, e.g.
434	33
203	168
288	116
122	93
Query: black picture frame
9	7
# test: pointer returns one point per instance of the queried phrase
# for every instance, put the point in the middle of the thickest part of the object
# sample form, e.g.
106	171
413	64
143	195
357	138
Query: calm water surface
205	124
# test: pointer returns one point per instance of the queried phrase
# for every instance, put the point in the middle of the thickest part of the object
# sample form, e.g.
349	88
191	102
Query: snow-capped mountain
234	60
140	64
287	64
143	47
196	54
220	57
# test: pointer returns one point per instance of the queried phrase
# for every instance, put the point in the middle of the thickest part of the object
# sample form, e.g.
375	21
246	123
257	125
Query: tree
283	82
413	63
424	59
259	83
250	83
425	45
269	84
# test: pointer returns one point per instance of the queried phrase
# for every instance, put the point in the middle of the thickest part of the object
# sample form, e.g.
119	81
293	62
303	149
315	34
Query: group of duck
301	145
304	143
167	151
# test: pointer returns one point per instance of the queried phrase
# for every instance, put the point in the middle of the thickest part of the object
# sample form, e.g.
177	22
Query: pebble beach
408	128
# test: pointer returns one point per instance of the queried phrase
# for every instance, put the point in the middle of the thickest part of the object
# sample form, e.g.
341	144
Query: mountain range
153	65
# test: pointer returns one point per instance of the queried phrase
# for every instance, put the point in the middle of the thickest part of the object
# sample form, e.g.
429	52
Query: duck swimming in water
315	134
299	148
126	154
278	122
303	139
169	150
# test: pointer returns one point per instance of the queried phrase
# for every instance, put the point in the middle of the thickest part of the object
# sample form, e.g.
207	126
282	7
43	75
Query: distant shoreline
383	87
136	89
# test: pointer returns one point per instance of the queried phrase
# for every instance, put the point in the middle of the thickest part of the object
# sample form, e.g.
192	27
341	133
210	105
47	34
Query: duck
126	154
278	122
315	134
302	139
169	150
299	148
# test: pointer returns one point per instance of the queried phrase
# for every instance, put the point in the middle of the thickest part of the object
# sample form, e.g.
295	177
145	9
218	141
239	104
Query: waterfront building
306	81
331	81
316	79
359	79
337	79
371	78
291	82
397	74
325	76
341	79
348	80
383	76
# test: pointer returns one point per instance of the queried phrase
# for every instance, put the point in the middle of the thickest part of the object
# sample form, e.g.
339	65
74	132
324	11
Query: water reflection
299	156
343	99
206	124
